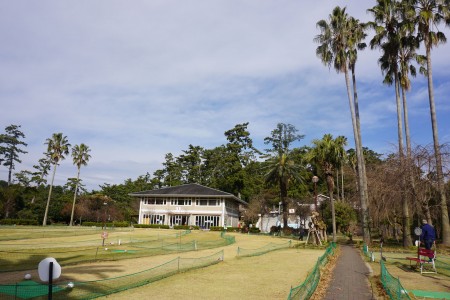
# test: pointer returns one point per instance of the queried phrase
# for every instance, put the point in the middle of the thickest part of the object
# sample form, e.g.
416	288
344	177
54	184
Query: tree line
400	28
280	175
390	192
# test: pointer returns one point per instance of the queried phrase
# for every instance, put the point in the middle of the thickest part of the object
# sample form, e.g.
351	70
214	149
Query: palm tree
80	155
328	155
281	166
57	147
356	43
337	40
390	37
428	15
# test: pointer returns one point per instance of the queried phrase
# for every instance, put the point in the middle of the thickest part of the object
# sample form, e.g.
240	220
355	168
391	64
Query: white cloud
137	80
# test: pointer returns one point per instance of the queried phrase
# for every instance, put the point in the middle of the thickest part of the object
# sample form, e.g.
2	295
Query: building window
153	219
155	201
207	202
176	220
181	201
206	222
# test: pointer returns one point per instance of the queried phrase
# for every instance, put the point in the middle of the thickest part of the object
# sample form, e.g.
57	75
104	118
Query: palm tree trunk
330	184
284	206
74	198
409	162
437	154
44	222
362	182
342	183
406	121
405	210
337	184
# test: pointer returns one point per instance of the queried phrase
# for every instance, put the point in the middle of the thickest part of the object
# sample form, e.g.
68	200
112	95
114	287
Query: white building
275	218
189	204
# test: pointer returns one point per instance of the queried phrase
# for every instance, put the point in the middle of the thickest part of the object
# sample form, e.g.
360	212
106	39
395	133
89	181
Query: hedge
151	226
110	224
18	222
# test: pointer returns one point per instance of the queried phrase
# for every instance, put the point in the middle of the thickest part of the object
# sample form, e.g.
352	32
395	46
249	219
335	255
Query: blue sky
135	80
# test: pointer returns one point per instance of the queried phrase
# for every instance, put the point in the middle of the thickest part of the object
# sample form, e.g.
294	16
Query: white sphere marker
44	269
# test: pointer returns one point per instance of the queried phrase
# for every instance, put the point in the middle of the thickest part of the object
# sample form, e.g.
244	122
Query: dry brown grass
268	276
326	276
411	279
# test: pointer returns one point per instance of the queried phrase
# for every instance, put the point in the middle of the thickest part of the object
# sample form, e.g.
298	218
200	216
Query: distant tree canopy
277	176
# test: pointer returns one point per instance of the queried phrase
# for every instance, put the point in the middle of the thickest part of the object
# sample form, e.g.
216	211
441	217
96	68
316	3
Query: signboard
418	231
292	211
104	235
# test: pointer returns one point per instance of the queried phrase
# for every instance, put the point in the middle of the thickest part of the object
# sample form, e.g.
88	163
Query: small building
189	204
295	220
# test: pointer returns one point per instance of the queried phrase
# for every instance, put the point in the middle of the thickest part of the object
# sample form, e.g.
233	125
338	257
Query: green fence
98	288
241	252
307	288
392	285
13	260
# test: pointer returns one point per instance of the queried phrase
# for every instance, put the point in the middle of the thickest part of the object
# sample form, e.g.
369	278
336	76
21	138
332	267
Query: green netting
368	254
241	252
430	295
442	261
26	290
99	288
392	285
10	233
307	288
30	258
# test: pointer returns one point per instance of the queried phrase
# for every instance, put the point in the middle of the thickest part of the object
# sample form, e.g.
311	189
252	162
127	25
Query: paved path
350	277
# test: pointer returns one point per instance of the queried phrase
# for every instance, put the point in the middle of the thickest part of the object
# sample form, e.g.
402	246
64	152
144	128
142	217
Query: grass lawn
268	276
411	279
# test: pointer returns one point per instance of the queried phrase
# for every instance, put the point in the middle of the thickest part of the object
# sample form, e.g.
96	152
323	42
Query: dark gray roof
187	190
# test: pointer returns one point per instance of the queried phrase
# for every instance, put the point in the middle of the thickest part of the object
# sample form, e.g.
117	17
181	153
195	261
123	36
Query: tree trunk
74	198
362	180
409	163
437	154
406	237
283	194
337	184
44	222
342	183
330	184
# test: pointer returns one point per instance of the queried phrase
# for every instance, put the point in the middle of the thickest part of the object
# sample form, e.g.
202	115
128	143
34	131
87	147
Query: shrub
186	227
119	224
216	228
90	224
275	229
287	231
233	229
19	222
160	226
254	230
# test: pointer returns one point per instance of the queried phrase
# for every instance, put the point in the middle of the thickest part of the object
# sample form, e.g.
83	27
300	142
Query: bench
424	257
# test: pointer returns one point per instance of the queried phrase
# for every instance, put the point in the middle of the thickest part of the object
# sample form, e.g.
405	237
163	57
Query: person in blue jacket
428	235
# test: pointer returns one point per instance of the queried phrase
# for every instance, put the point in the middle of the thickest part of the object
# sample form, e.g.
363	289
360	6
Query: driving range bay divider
307	288
10	233
391	285
97	288
18	260
241	252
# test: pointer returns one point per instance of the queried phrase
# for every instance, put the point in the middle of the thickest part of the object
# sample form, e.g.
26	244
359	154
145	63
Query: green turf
27	289
123	251
433	295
